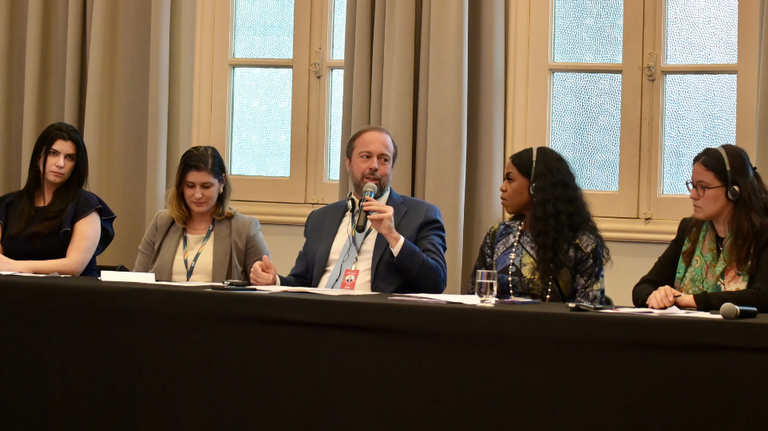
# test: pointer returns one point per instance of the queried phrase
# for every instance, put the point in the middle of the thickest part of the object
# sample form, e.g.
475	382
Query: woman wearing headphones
550	249
719	255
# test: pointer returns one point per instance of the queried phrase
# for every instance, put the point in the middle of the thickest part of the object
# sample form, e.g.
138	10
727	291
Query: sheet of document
315	290
671	311
187	283
28	274
440	298
148	278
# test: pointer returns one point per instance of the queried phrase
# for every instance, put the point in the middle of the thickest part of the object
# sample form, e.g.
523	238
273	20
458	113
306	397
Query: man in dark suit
403	250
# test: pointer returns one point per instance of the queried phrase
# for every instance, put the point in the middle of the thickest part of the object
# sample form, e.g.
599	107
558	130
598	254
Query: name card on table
133	277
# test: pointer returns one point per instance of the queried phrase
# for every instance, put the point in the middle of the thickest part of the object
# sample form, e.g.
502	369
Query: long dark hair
559	212
64	195
749	217
199	159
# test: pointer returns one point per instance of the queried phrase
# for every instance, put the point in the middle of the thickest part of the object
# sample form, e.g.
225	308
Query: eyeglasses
700	189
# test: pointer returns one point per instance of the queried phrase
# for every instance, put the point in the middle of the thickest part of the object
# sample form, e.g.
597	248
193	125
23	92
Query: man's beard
359	183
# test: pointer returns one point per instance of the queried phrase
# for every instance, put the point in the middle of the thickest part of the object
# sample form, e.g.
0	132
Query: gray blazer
238	245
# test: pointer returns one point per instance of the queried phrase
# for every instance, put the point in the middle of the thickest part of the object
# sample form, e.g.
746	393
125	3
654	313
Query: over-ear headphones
733	191
533	170
350	203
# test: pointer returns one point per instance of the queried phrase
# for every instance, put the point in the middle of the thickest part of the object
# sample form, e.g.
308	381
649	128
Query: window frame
669	207
272	200
613	204
528	123
320	190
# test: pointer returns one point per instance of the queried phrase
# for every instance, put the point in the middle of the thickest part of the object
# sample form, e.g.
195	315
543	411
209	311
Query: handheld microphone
369	189
733	312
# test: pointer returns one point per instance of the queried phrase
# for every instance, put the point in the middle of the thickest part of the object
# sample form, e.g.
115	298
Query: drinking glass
485	286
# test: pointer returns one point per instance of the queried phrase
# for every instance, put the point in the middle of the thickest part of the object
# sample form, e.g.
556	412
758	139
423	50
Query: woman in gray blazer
199	237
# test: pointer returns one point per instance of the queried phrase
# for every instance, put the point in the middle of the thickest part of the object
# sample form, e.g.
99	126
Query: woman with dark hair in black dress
53	224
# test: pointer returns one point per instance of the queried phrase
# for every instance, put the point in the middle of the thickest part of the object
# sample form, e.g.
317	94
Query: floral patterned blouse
582	280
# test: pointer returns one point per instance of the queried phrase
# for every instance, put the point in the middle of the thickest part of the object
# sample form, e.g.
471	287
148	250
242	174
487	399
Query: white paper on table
671	311
149	278
315	290
439	298
29	274
187	283
133	277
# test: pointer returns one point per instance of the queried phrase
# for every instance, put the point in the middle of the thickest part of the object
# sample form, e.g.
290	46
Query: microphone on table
369	190
733	312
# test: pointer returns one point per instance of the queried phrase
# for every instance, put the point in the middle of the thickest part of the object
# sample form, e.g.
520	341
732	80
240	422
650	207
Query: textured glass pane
702	31
699	112
334	124
263	29
588	31
261	122
586	126
339	28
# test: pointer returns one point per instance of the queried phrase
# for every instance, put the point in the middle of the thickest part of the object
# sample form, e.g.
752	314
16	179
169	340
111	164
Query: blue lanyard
191	268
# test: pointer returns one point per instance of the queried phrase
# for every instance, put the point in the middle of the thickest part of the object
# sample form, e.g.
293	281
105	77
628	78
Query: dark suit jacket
418	268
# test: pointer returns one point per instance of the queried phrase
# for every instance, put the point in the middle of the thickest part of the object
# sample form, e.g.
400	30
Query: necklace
513	255
202	227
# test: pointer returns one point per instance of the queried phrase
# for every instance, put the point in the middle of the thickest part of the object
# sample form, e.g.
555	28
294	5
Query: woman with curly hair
550	249
721	253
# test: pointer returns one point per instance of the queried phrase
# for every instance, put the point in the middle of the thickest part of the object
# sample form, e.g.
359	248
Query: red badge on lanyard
350	278
350	275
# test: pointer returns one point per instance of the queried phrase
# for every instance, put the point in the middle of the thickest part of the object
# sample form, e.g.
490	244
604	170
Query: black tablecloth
77	353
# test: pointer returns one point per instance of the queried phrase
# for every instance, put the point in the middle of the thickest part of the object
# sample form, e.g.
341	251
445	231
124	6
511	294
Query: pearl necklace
513	255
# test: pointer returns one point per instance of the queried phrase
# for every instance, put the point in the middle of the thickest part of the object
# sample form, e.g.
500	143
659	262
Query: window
275	88
629	91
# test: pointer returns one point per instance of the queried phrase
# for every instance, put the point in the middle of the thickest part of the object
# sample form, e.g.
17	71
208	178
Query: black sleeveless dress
55	244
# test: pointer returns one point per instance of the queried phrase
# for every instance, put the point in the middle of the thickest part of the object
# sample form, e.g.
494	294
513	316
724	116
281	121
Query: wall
631	260
284	244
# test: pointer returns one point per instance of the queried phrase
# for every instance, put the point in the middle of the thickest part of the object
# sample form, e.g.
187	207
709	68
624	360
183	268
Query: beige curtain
104	66
432	72
761	156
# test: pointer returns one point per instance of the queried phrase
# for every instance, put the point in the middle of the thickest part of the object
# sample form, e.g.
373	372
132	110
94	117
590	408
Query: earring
221	190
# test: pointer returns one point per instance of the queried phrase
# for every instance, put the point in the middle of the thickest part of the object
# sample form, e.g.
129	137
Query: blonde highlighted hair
199	159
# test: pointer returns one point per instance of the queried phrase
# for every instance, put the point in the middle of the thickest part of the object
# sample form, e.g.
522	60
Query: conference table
79	353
